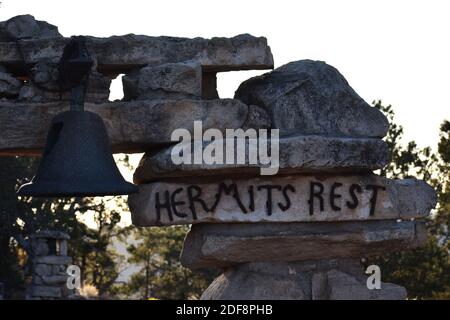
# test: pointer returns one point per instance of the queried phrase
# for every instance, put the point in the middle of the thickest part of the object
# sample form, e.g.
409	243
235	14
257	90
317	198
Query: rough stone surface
3	35
309	280
311	97
134	126
54	259
167	81
55	279
59	269
319	286
281	199
46	291
50	234
27	27
37	280
44	87
40	247
43	269
345	287
224	245
121	54
257	118
297	154
9	85
63	248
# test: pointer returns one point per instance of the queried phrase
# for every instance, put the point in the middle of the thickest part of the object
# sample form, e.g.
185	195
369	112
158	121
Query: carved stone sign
282	199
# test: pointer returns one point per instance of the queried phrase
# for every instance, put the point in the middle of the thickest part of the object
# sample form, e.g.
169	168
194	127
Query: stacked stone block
296	235
49	262
168	83
301	233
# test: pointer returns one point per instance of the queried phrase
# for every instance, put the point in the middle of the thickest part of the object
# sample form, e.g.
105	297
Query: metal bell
77	160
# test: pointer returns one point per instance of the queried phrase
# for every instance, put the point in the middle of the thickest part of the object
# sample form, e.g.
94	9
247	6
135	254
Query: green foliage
93	250
161	275
22	216
425	272
406	160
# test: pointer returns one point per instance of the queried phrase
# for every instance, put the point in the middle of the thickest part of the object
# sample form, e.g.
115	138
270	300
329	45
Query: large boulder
9	85
27	27
44	86
311	280
312	97
167	81
297	154
223	245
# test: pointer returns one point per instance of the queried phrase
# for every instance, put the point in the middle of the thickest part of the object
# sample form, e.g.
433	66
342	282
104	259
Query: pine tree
22	216
161	275
425	272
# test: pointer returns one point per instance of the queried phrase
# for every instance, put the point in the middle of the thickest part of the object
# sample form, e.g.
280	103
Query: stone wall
162	74
299	234
49	262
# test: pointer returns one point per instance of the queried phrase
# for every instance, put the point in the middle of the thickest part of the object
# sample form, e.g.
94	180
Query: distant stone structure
49	263
297	235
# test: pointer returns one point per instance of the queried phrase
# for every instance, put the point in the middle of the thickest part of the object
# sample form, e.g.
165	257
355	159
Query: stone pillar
49	264
301	233
302	261
303	280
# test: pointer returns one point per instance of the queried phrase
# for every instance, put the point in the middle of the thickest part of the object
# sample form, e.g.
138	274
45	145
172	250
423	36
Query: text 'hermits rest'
298	234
